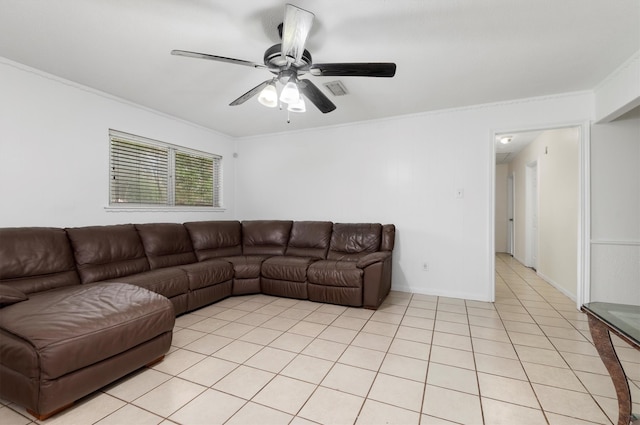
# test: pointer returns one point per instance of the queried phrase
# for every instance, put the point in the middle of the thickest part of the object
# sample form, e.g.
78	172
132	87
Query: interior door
510	214
532	214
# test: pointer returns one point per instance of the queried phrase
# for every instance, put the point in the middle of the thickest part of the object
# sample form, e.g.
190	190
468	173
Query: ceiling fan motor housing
275	62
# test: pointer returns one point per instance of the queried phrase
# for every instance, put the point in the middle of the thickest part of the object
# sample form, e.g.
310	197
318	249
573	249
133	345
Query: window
148	173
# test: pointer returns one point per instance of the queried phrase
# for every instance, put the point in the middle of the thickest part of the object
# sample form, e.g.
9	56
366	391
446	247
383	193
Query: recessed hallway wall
556	156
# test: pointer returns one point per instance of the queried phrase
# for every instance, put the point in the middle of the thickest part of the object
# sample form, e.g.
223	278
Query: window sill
128	209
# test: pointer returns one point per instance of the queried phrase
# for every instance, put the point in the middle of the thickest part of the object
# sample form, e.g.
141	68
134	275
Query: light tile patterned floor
419	359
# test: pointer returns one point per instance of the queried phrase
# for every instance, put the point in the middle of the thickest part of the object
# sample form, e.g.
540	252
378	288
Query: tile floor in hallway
525	359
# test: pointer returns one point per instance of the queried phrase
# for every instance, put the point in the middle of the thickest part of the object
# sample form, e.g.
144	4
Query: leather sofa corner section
116	273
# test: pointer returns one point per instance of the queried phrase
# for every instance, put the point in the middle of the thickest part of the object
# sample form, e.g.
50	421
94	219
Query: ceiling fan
289	60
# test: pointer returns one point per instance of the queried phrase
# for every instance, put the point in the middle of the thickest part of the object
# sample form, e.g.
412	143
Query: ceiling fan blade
377	69
248	95
297	24
313	93
215	58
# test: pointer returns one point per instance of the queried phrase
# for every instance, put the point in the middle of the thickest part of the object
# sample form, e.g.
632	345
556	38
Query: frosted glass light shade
298	106
269	96
290	93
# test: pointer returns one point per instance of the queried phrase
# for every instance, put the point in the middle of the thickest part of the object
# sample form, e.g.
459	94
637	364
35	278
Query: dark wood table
623	321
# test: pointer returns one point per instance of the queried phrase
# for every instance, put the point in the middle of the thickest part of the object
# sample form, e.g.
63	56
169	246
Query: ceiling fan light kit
298	106
269	96
289	60
290	92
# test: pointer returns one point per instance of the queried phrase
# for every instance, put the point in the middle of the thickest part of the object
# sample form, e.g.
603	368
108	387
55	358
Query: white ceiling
505	153
449	53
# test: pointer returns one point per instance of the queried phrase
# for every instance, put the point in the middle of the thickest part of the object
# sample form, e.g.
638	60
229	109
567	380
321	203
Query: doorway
530	206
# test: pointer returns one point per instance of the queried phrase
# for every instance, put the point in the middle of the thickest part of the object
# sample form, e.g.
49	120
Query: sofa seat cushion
246	266
335	273
169	282
64	330
293	269
208	273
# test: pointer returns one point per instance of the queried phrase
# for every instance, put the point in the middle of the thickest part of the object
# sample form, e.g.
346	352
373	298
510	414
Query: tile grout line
544	413
475	367
559	353
522	287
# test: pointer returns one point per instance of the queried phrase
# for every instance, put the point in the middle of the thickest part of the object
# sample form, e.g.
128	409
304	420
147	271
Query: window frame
217	180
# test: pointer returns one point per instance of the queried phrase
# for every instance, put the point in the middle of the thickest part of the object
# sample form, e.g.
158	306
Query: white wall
54	152
619	92
615	210
404	171
557	155
501	219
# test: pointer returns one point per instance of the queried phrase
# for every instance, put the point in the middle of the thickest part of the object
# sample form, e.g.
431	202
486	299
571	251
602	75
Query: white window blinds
139	173
194	180
145	172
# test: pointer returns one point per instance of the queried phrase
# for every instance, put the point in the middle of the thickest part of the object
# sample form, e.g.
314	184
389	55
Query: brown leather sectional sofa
82	307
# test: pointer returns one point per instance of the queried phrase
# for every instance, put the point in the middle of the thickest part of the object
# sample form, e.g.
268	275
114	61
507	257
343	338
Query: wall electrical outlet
425	266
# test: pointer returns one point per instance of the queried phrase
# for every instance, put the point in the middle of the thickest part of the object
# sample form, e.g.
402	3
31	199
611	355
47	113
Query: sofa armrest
377	278
374	257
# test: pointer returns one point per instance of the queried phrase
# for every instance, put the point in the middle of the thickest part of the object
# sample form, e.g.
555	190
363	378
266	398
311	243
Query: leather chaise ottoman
61	345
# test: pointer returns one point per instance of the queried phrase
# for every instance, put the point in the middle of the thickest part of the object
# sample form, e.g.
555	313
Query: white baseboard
447	294
555	285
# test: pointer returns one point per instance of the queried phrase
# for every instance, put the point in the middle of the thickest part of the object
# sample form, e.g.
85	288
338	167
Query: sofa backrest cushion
107	252
166	244
214	239
350	241
265	237
36	259
310	239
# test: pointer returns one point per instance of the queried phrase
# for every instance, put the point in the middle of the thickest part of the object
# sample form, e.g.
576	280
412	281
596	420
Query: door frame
532	200
511	200
583	291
